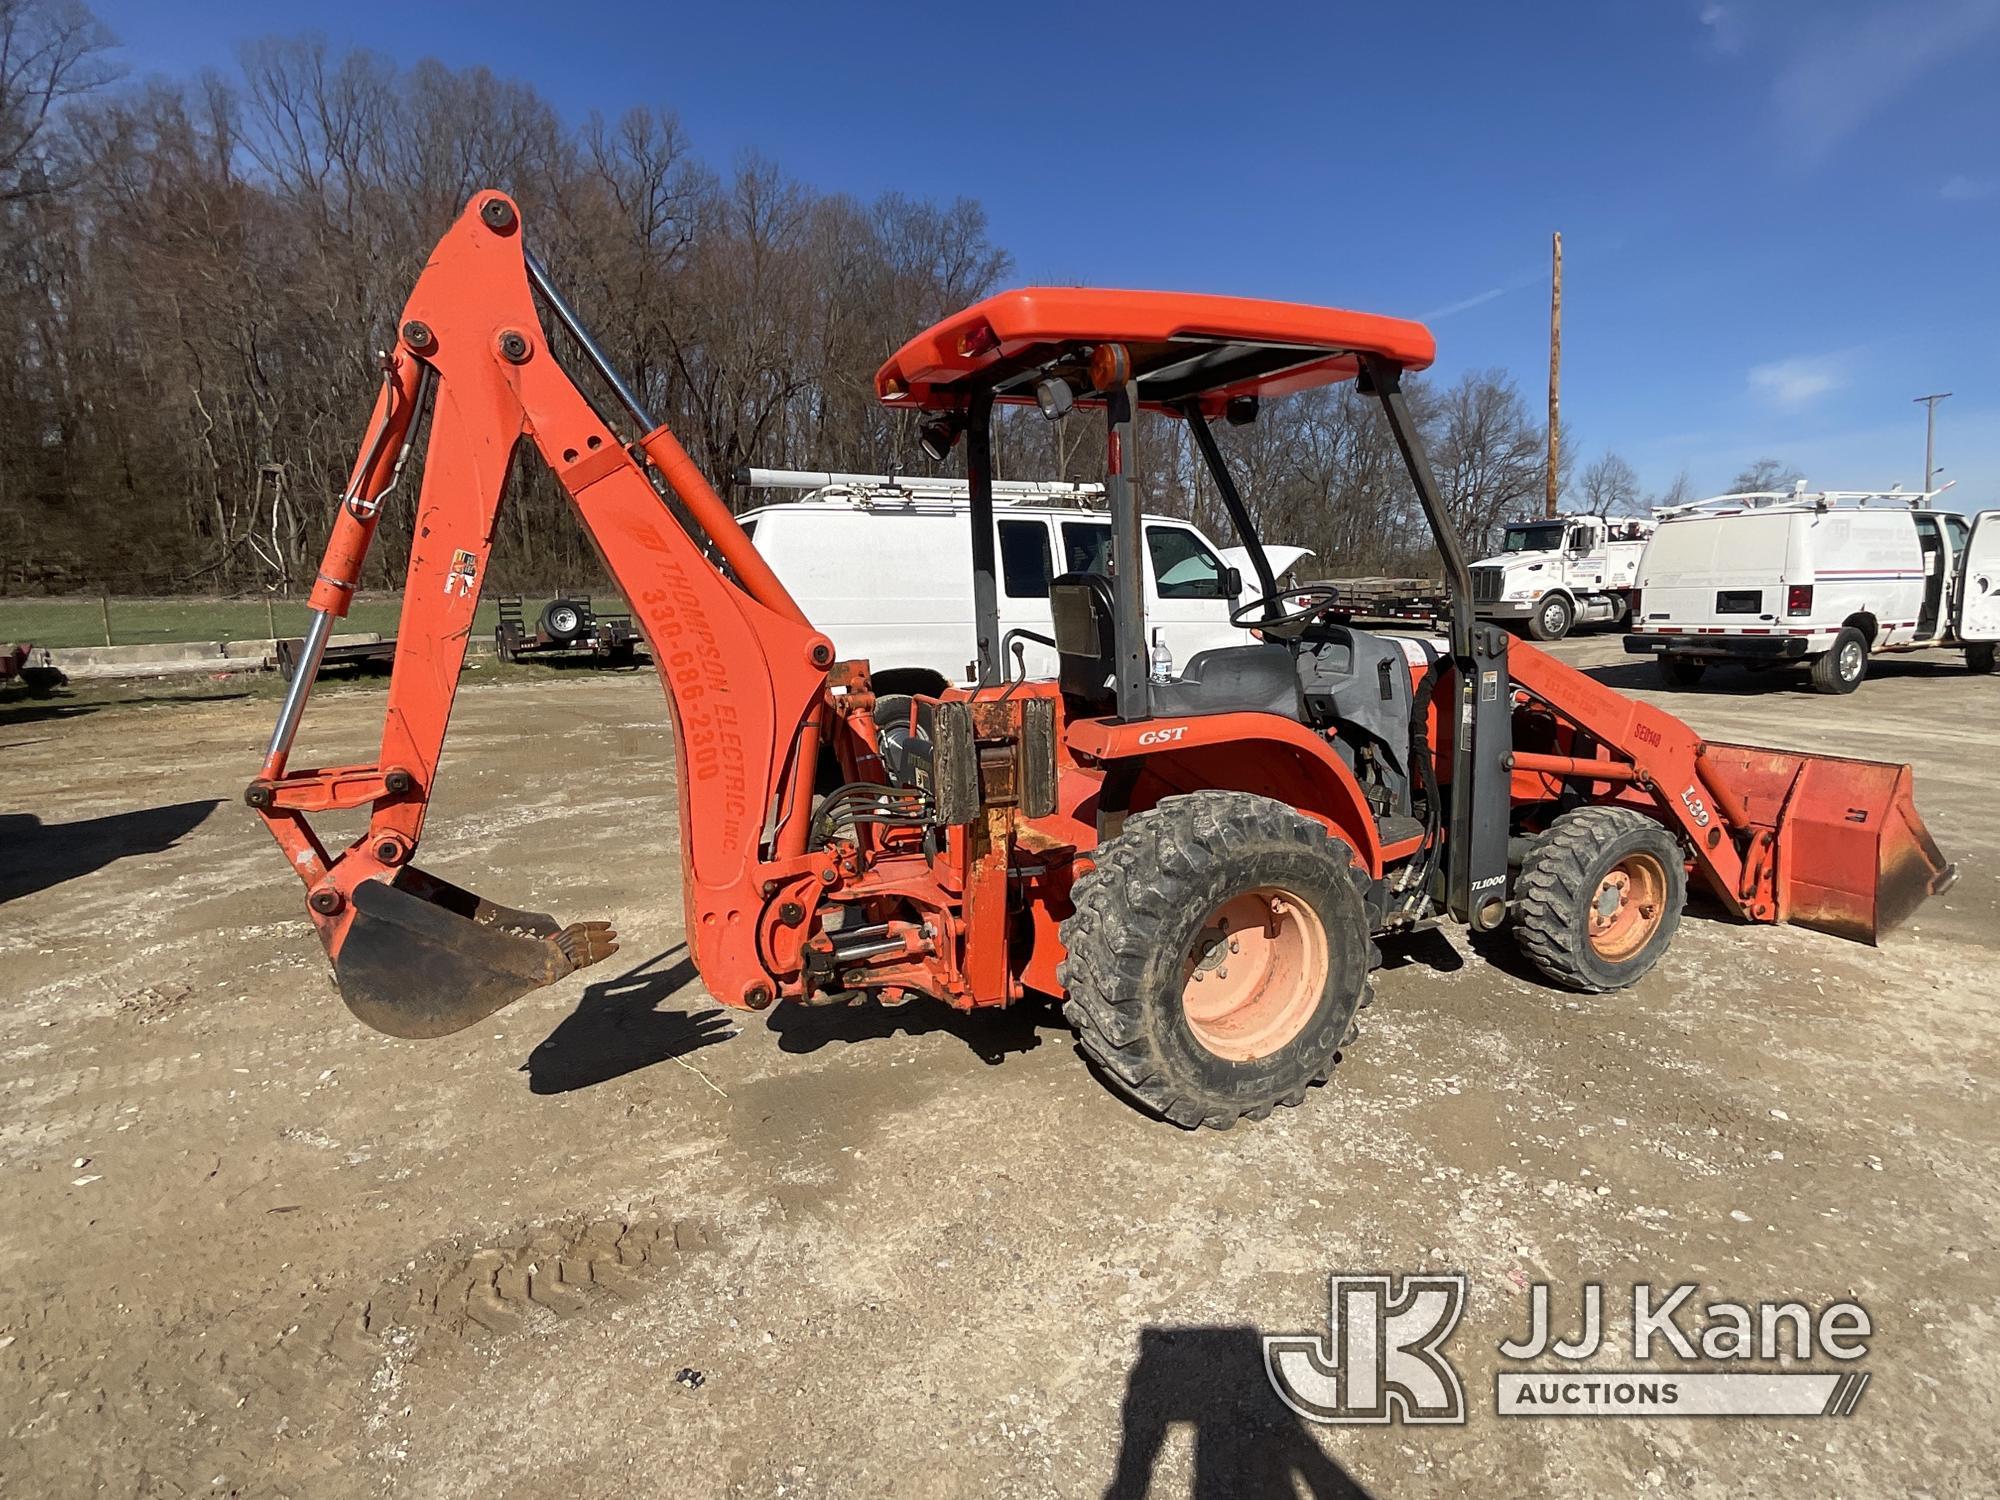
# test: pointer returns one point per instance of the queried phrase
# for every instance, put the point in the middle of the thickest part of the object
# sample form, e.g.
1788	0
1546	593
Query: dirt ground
619	1241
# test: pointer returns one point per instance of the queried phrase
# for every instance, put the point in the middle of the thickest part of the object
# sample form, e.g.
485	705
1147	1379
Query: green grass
60	623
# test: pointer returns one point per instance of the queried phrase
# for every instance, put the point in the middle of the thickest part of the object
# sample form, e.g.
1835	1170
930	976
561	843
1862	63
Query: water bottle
1163	660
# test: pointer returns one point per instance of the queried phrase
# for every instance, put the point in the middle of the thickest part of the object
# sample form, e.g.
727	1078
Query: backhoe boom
746	675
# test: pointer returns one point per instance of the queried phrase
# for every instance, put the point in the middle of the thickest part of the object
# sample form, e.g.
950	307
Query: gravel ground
618	1240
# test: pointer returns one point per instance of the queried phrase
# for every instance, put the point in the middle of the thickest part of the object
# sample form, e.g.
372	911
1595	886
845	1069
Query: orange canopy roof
1183	345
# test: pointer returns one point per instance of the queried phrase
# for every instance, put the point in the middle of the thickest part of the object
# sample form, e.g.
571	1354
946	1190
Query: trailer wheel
1979	658
1681	671
562	620
1599	898
1552	618
1841	668
1217	954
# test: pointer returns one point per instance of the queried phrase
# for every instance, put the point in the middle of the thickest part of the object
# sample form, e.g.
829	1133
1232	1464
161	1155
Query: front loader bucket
1853	857
423	958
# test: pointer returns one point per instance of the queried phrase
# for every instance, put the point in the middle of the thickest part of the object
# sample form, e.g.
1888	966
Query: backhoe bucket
423	958
1853	857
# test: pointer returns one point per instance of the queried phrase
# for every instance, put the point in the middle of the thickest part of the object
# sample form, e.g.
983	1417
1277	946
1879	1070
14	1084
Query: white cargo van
1826	579
883	565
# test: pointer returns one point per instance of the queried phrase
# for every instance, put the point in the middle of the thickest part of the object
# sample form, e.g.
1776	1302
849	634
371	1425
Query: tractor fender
1240	752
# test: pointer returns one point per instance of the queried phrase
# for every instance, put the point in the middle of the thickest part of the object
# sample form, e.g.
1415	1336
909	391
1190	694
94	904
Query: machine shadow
617	1028
1246	1441
993	1033
1430	949
35	855
15	710
1740	682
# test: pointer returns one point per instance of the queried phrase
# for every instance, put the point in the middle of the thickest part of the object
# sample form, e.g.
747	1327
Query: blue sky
1780	220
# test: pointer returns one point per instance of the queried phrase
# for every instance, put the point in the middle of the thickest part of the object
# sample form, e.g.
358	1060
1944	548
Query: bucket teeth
586	943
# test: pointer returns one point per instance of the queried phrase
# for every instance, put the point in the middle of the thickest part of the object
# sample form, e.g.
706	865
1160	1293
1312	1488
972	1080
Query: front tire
1552	618
1979	658
1187	890
1599	898
1843	665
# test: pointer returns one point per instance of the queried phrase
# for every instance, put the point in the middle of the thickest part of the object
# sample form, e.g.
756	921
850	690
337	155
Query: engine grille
1486	584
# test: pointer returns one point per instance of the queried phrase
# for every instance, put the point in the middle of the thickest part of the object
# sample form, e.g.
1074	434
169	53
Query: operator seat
1260	679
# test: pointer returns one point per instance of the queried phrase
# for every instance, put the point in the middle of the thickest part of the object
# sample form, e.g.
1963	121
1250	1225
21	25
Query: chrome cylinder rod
313	650
574	326
304	671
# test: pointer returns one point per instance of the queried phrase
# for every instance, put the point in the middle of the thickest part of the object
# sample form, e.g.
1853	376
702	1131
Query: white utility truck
883	564
1826	578
1561	572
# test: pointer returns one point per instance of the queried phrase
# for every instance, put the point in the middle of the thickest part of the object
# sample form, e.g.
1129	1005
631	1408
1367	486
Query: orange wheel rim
1626	908
1254	974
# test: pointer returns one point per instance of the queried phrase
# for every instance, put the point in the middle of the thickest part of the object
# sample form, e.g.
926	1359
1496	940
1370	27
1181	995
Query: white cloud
1725	30
1801	380
1850	72
1959	188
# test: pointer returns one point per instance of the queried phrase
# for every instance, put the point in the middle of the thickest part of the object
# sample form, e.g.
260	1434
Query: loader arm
745	673
1817	840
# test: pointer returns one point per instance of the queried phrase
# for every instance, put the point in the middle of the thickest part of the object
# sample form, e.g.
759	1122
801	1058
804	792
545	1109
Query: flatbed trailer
1421	601
568	623
363	658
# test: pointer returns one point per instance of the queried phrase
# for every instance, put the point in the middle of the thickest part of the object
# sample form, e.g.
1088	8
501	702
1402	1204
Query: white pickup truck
883	565
1553	574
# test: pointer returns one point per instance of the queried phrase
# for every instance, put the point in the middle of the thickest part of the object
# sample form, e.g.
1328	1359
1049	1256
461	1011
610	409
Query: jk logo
1380	1360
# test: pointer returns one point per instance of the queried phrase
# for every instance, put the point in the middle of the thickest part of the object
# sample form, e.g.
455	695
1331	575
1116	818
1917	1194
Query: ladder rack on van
903	490
1895	495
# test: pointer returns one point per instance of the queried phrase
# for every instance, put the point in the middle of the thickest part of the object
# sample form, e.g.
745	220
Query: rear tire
1841	668
1185	890
1979	658
1552	618
1682	671
1599	898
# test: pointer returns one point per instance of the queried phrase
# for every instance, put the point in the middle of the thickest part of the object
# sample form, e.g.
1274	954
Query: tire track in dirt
212	1398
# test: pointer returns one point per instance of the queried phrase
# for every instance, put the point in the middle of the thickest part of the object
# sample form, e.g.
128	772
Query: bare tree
1767	474
51	52
1609	486
193	305
1491	457
1680	492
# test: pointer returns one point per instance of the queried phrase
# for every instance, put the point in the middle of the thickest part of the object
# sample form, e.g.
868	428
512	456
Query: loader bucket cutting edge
423	958
1853	855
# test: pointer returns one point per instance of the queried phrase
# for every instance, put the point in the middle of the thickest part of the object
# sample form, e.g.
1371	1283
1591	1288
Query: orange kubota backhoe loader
1200	866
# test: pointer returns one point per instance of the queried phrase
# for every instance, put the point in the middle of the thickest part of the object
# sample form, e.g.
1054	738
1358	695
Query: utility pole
1929	403
1555	373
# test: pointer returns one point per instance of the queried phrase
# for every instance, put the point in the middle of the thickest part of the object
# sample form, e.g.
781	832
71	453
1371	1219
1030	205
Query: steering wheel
1298	608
